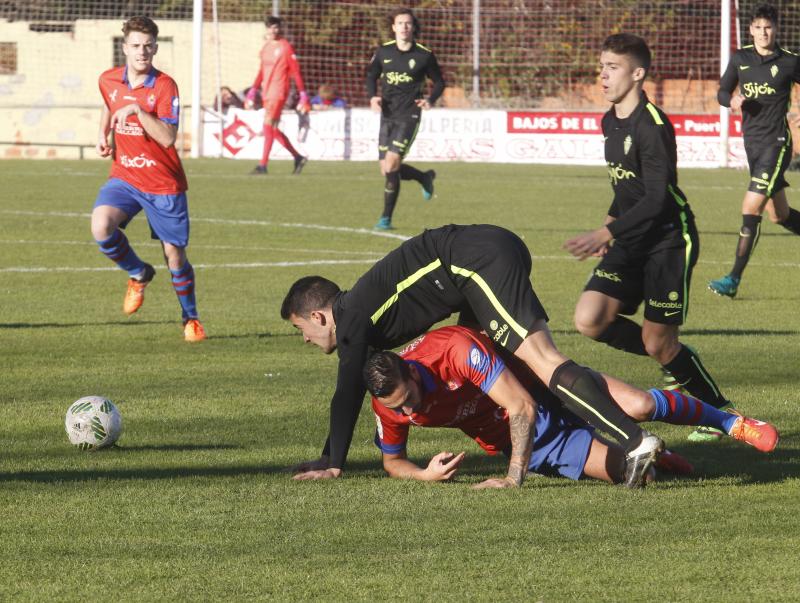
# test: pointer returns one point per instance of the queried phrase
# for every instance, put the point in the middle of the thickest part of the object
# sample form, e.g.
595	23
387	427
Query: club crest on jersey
627	143
151	100
411	63
774	70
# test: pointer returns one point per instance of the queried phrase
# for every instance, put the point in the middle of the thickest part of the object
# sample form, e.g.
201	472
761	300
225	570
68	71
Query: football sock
678	409
624	334
183	283
117	249
269	137
748	237
585	393
409	172
391	190
281	138
688	370
792	223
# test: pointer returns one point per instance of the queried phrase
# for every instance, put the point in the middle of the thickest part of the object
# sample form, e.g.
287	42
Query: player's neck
404	45
136	78
765	51
627	105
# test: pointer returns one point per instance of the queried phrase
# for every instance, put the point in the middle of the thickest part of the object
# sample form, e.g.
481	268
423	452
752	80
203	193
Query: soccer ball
93	422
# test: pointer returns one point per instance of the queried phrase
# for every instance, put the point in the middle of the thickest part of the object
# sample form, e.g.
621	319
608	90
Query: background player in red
141	106
278	65
446	379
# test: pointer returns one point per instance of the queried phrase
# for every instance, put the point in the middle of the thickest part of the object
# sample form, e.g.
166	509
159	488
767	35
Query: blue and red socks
679	409
117	249
183	283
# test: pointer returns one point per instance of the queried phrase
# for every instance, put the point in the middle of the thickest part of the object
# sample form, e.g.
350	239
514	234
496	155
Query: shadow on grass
158	473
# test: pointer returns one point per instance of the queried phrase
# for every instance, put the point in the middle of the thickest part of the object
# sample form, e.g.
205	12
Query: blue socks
183	282
678	409
117	249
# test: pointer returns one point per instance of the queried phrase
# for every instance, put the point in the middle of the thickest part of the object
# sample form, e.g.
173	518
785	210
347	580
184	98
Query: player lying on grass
454	377
480	271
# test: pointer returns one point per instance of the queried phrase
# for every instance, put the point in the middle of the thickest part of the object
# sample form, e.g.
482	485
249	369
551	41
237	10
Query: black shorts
397	134
491	266
659	277
767	166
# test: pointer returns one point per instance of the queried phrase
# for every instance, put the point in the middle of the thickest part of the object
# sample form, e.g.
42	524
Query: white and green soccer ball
93	422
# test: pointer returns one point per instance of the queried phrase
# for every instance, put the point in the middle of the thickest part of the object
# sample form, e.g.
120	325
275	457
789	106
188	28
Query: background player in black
480	271
655	238
402	67
764	73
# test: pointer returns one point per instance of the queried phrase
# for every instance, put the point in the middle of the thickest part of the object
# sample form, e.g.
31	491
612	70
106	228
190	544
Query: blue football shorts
562	442
167	215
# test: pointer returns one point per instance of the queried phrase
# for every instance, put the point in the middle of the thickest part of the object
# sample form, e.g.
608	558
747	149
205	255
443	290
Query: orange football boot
760	435
134	296
193	330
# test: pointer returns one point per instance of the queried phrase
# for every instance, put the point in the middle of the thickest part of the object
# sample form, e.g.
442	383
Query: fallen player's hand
317	464
444	466
319	474
496	482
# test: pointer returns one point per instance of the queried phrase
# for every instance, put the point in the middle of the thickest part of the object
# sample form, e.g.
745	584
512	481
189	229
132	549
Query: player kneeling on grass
141	107
454	377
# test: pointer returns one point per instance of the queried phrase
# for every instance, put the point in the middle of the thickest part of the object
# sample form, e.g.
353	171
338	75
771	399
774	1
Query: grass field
195	503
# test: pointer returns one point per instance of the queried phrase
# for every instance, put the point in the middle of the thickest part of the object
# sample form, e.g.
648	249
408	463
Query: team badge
475	357
151	100
627	143
673	296
411	63
774	70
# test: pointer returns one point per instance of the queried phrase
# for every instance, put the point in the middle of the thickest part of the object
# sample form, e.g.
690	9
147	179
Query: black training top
402	75
766	83
398	299
642	164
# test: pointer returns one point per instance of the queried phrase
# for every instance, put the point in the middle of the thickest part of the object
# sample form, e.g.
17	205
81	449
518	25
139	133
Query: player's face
407	398
764	34
139	49
317	330
403	28
273	32
618	75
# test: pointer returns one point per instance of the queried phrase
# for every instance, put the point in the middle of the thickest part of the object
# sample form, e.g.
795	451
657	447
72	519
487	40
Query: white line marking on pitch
366	231
43	269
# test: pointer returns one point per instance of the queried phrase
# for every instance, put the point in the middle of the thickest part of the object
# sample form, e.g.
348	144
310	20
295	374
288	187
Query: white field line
364	231
42	269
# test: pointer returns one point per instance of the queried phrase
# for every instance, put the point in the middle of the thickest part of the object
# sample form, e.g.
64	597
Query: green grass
195	504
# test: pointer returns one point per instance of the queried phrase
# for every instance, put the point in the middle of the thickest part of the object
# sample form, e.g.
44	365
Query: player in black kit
764	73
402	66
480	271
655	238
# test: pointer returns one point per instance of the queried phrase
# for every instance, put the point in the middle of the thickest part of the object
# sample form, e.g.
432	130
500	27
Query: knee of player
660	349
587	324
640	407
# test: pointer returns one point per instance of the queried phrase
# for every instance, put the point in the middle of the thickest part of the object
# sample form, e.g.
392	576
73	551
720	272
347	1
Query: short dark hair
384	372
141	24
271	20
765	11
629	45
308	294
405	11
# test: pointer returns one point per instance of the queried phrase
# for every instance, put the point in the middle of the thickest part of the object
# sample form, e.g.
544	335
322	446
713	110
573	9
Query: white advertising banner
568	138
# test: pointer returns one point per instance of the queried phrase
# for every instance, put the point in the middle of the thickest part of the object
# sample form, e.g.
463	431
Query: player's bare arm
442	467
329	473
163	133
423	103
589	243
375	103
103	148
508	392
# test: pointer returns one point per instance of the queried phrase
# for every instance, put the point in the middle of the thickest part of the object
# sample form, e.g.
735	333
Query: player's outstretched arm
441	467
508	392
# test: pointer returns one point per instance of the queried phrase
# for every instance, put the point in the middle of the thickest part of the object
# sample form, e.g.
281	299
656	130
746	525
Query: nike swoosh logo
759	187
743	67
672	313
505	339
387	60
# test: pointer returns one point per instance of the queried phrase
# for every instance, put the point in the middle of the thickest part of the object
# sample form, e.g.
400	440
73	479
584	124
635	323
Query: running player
480	271
449	377
655	238
278	65
764	73
402	65
140	107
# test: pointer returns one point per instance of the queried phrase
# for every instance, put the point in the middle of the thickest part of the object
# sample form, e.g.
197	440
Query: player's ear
639	74
318	317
